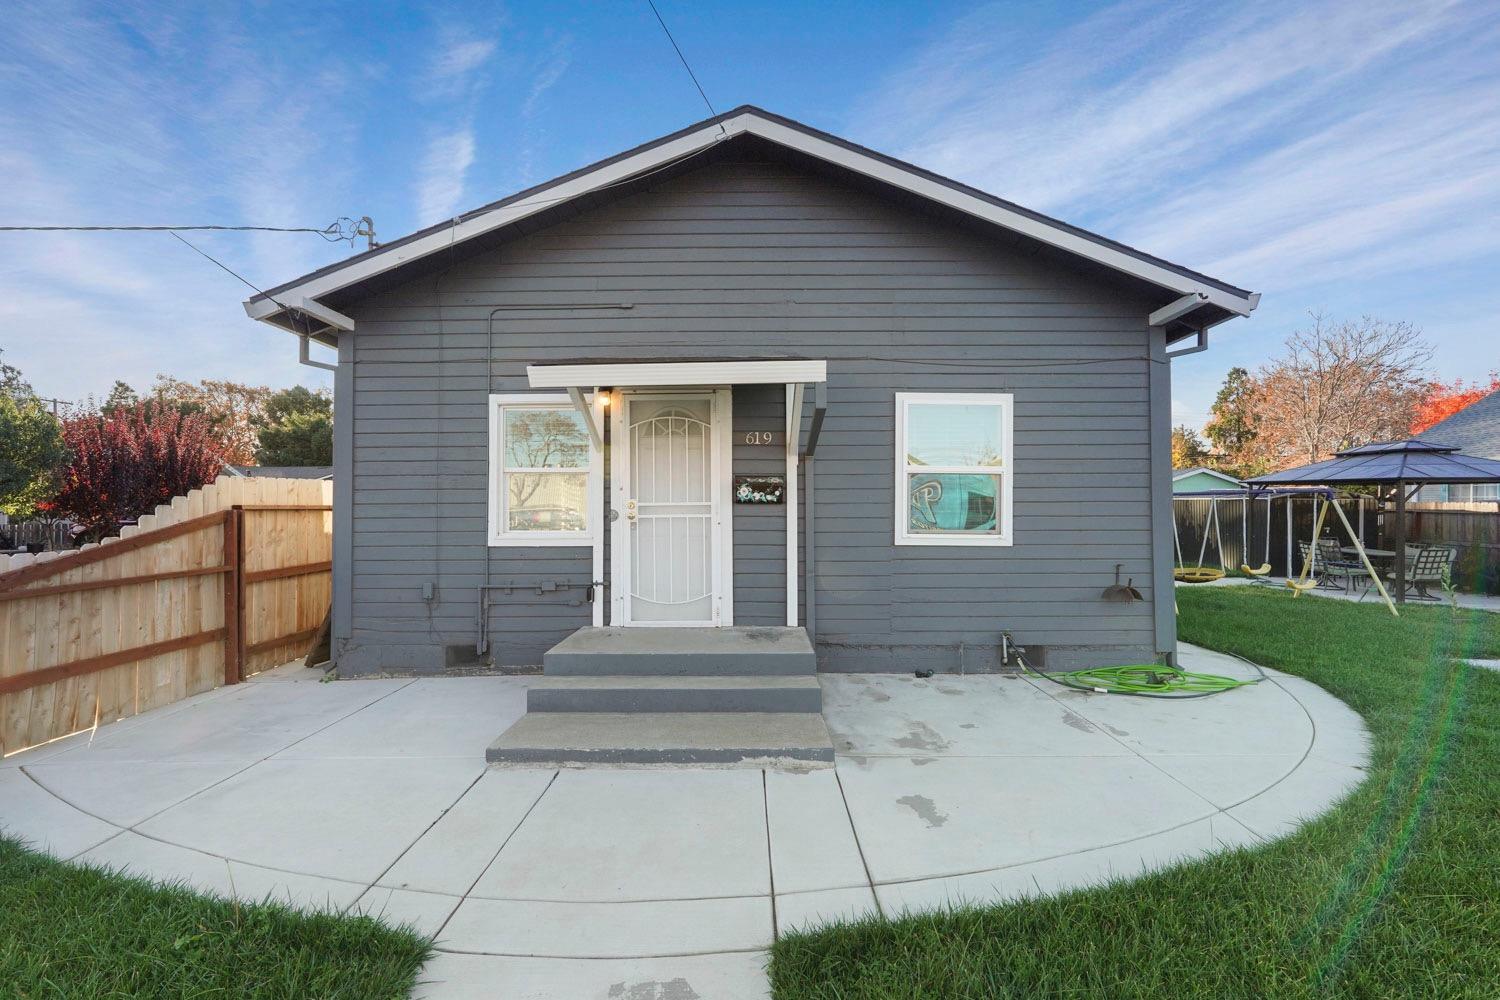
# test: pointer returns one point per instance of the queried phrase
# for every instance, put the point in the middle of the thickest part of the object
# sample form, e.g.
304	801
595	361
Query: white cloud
440	181
192	122
1320	152
1276	145
461	58
551	70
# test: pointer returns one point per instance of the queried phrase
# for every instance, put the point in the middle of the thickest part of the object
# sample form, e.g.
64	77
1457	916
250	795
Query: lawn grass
74	931
1394	893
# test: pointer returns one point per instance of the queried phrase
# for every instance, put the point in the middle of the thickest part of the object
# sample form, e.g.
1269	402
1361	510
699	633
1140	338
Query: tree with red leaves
126	462
1442	401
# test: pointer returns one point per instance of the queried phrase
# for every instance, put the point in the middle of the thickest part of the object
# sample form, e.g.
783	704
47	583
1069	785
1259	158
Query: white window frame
499	535
1007	471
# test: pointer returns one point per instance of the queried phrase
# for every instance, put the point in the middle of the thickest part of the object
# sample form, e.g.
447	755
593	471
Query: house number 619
760	437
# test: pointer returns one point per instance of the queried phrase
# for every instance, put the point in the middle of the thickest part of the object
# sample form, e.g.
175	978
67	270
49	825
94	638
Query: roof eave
1219	301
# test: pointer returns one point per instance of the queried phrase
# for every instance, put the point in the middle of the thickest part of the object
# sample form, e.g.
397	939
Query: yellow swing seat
1302	588
1197	574
1264	569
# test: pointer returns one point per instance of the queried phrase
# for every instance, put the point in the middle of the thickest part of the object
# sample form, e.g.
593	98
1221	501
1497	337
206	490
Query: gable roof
1192	301
1474	430
1202	470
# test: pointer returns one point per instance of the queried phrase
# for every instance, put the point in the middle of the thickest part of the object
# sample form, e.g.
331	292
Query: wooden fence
1475	533
42	535
220	584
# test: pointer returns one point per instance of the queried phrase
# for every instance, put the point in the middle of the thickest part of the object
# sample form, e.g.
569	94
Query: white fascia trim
1016	222
605	176
667	153
676	373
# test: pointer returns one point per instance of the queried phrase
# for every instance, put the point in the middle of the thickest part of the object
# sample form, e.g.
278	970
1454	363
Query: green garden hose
1145	680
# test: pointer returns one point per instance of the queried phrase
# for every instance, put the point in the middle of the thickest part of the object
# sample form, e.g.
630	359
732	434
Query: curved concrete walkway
373	796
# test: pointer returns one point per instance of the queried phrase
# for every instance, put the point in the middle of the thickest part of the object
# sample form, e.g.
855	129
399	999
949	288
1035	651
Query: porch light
604	398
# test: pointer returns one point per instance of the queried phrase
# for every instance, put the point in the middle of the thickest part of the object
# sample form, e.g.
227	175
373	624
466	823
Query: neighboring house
1197	479
553	409
284	471
1474	430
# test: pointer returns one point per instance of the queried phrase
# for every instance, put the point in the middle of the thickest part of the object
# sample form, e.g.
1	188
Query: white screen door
668	547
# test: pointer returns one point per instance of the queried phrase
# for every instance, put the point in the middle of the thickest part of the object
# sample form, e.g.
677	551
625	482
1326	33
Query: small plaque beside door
759	489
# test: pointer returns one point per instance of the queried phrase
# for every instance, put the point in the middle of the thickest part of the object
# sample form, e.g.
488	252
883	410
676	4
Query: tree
31	451
1188	450
11	382
121	465
232	410
1339	385
295	428
121	397
1443	400
1231	422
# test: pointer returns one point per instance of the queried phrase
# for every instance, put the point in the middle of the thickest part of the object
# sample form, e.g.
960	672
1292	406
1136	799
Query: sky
1335	156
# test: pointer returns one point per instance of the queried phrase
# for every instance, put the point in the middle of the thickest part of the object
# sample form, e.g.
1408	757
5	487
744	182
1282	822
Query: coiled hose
1145	680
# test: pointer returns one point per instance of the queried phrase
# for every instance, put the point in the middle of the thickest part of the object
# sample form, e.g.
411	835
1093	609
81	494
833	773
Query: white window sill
983	543
541	541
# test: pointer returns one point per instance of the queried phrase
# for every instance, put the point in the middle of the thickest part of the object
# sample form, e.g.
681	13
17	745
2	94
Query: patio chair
1426	565
1312	562
1339	571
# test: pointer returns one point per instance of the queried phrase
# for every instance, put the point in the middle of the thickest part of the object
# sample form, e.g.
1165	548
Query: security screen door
669	509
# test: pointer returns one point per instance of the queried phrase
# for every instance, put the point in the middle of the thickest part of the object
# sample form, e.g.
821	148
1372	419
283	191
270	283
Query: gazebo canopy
1412	462
1400	464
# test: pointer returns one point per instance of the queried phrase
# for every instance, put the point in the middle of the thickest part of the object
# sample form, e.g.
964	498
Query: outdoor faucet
1008	646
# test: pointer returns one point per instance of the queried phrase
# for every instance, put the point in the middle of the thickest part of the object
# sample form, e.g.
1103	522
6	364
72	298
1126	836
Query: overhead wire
334	232
685	64
290	312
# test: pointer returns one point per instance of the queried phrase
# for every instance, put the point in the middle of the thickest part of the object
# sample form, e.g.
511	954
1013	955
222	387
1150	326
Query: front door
670	492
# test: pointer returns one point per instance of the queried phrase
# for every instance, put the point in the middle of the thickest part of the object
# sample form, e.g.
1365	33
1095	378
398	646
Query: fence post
234	595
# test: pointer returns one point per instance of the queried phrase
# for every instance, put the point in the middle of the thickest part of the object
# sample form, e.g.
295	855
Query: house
751	374
1197	479
1474	430
283	471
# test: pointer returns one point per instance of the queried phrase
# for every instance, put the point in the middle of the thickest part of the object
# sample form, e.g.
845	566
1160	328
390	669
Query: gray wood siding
749	260
759	529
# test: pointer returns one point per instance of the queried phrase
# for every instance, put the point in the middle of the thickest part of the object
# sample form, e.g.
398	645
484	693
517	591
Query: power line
340	230
678	49
156	229
290	312
219	264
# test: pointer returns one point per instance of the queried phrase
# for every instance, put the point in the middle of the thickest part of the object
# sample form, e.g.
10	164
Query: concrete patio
373	796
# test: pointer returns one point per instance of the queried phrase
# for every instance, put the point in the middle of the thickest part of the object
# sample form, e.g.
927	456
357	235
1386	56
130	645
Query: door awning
657	373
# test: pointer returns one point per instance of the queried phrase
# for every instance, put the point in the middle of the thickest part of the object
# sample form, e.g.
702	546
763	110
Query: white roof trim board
676	373
753	121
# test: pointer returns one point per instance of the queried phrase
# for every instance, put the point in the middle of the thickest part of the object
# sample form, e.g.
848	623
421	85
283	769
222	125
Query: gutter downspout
1159	382
304	355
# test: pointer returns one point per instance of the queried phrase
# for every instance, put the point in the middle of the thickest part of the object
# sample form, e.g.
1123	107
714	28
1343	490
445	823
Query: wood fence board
141	621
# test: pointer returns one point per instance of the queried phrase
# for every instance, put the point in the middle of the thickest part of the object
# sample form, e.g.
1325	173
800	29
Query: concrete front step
675	694
748	739
682	652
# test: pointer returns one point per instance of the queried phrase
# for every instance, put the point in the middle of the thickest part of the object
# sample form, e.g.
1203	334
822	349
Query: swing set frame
1324	498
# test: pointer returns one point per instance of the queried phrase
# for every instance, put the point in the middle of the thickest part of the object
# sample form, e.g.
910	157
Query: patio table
1372	553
